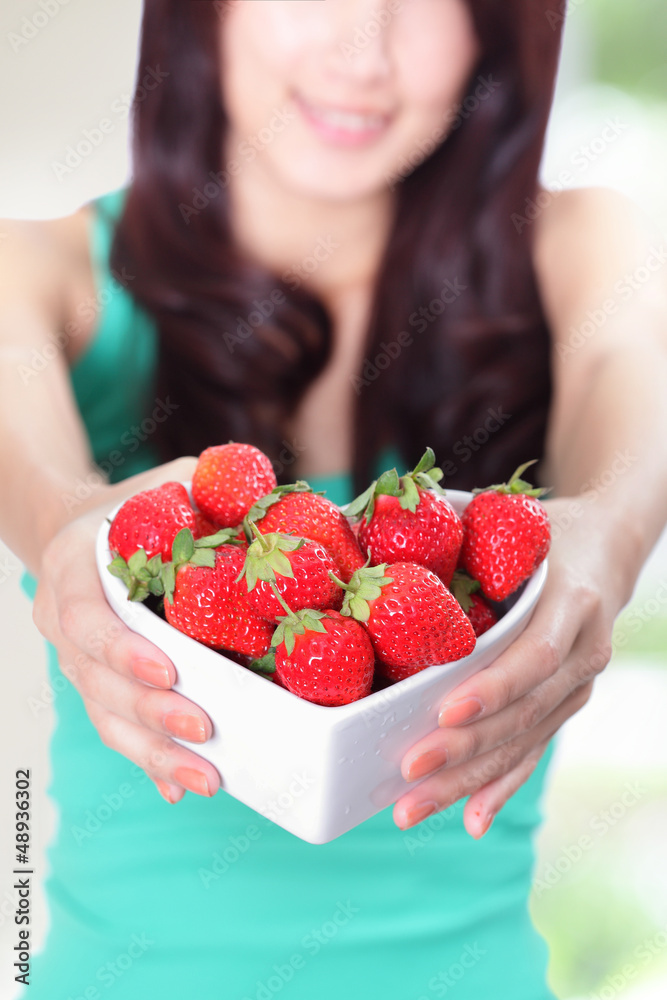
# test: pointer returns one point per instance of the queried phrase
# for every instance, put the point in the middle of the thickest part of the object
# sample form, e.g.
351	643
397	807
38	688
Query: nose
360	39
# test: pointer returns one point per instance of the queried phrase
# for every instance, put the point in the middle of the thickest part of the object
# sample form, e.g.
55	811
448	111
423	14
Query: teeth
347	119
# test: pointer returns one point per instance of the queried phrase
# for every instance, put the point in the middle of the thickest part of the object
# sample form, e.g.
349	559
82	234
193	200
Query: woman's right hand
123	679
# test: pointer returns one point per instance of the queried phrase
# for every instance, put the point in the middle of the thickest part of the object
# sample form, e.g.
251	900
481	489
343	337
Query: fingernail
427	763
420	812
194	781
152	673
487	823
454	713
186	727
167	791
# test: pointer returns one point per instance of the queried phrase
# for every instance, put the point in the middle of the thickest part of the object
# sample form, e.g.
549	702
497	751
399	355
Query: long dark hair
474	364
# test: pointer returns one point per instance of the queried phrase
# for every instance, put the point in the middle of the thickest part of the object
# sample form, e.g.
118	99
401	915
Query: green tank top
209	900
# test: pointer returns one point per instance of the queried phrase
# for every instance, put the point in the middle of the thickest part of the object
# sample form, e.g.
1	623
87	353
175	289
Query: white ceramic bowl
316	771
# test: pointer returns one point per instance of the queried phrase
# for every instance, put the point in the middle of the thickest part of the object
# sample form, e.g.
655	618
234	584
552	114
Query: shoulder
45	267
590	246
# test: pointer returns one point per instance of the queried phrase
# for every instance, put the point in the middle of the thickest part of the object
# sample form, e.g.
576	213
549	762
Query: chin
317	177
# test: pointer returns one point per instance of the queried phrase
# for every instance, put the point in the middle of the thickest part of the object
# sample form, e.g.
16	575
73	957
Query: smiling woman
319	233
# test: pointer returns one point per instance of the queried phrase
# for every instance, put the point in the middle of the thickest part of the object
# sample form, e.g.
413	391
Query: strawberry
506	535
297	567
142	533
323	657
482	616
407	519
297	510
203	598
229	478
203	526
151	520
411	617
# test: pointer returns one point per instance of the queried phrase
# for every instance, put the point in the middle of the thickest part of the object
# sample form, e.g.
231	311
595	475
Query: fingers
72	605
531	660
483	806
159	756
449	784
171	793
457	744
166	713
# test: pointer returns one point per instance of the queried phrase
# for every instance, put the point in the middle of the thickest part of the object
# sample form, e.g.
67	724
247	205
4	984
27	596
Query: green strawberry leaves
297	624
516	484
406	489
462	587
364	587
186	550
264	664
260	507
141	575
266	557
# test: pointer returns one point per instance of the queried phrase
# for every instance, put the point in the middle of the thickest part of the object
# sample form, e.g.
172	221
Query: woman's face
336	97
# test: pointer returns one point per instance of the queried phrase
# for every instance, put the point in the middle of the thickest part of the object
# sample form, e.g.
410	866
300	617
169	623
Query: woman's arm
43	446
123	679
603	279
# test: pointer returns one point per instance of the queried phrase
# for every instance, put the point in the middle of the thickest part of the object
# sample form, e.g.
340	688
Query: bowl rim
427	677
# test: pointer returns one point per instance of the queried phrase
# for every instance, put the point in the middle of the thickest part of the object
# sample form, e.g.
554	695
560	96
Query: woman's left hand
494	727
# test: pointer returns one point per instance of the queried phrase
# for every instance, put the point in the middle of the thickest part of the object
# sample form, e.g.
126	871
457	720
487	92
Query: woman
316	185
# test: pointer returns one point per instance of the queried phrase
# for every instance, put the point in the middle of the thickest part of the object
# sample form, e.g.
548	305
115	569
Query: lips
343	124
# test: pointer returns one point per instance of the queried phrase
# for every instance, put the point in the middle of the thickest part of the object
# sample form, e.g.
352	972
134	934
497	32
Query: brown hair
457	347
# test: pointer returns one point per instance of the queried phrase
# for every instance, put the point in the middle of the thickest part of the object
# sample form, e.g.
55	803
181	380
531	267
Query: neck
331	248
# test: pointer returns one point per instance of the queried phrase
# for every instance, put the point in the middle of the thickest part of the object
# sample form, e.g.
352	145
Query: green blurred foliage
628	44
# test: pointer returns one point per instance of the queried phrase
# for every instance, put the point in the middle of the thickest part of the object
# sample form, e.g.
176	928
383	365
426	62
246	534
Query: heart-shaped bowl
316	771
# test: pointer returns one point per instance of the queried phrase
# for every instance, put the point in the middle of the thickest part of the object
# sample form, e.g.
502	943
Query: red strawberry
203	527
298	511
482	616
229	478
323	657
150	521
204	599
506	535
142	533
297	567
411	617
409	520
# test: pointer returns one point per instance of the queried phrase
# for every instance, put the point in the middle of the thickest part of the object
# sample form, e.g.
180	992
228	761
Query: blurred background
600	890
